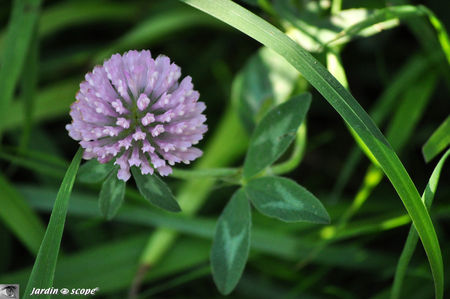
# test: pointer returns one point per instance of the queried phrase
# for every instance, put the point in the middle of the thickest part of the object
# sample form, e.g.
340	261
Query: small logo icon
9	291
64	291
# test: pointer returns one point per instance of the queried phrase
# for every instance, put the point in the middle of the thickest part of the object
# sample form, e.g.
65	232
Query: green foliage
144	251
413	238
275	133
438	141
18	216
265	81
94	171
22	24
285	200
350	110
231	243
111	195
43	271
155	191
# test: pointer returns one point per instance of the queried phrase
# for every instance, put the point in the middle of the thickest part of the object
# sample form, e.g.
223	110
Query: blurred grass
359	262
23	20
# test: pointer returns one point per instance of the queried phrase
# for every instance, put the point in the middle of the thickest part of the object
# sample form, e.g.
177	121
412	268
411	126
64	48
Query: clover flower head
134	109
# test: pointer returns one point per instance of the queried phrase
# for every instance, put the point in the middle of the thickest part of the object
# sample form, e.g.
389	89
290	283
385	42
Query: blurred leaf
31	164
94	172
19	218
285	200
265	81
176	281
44	267
72	13
155	190
275	133
439	140
407	76
377	16
291	247
20	31
60	16
156	27
251	2
111	195
313	32
409	111
112	265
231	243
28	88
413	237
349	109
50	103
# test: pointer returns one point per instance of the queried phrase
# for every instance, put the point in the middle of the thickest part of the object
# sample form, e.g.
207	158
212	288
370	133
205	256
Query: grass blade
29	86
411	241
44	268
23	19
438	141
413	70
349	109
18	216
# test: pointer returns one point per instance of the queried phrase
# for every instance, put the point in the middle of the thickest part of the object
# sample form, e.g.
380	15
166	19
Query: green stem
336	6
205	173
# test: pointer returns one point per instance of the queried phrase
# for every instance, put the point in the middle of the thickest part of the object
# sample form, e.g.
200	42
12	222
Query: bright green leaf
413	237
285	200
44	268
94	171
438	141
155	190
231	243
275	133
111	195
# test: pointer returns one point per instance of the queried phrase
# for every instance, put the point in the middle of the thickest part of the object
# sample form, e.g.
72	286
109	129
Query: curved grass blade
44	268
413	70
413	238
438	141
349	109
23	19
